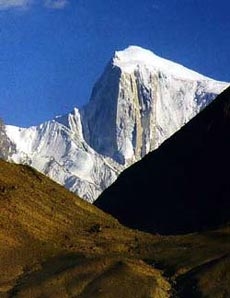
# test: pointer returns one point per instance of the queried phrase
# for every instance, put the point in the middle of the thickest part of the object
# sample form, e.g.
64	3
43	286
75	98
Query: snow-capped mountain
139	101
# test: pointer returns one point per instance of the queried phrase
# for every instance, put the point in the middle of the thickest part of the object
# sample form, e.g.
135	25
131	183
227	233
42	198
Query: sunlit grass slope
53	244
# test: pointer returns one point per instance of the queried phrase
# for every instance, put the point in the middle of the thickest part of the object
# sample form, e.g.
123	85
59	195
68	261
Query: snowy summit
133	57
139	101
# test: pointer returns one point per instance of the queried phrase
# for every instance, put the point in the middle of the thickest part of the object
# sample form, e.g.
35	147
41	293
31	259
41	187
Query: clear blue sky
52	52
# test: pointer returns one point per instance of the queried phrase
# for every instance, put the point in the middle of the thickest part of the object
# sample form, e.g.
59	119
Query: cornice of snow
134	57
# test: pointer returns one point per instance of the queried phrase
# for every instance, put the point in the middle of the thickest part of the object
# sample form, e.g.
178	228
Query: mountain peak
138	102
134	57
135	54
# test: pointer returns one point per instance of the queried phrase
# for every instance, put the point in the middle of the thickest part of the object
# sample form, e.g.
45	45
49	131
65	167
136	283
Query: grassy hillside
53	244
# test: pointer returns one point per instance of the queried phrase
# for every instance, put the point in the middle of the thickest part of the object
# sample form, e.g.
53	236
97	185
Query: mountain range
139	101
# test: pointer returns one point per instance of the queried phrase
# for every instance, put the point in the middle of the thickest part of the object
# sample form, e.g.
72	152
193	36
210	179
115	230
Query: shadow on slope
184	185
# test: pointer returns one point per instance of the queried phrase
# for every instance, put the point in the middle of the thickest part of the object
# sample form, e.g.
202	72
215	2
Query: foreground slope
139	101
184	185
53	244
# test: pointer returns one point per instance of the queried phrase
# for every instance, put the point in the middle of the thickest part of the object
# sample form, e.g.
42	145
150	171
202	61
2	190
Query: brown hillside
53	244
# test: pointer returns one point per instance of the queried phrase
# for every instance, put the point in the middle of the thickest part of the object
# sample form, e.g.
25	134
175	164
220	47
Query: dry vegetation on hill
53	244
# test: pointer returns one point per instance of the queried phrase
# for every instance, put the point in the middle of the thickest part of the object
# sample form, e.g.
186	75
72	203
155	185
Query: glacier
138	102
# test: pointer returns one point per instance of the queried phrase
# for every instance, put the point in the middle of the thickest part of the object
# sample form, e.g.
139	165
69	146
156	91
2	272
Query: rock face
183	186
139	101
6	146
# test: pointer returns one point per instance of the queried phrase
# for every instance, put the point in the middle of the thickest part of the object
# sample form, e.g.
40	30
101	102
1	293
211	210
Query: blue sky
52	52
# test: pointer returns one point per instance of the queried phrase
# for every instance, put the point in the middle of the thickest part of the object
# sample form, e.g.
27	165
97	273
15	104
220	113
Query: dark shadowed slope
183	186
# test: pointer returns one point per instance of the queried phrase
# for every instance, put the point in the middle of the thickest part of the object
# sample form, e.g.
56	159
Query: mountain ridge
182	186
